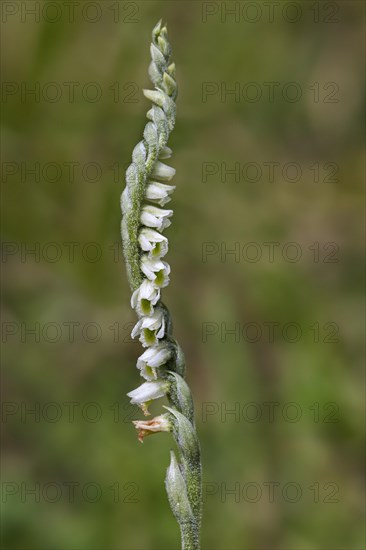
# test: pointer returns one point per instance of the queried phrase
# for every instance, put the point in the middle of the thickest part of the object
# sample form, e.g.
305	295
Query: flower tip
157	27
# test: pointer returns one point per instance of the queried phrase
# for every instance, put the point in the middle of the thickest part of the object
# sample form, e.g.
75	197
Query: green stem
190	536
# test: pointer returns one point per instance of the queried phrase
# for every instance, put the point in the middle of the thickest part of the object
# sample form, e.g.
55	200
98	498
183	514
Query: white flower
163	171
155	270
147	427
151	359
165	153
159	192
148	391
152	216
153	242
150	328
145	297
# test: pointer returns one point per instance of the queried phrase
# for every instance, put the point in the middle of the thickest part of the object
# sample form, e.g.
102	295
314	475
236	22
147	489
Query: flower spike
162	365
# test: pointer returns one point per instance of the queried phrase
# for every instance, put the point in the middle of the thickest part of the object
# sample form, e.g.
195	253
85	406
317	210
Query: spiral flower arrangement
162	364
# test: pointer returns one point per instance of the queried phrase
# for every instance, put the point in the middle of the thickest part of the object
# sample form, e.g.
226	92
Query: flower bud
164	46
155	96
157	57
170	84
177	492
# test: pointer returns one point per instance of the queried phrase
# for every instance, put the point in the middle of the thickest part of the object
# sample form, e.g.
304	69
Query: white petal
160	357
153	242
156	191
150	328
134	298
152	216
144	242
148	292
136	329
151	359
155	270
148	391
148	237
157	212
163	171
149	220
161	333
165	153
145	297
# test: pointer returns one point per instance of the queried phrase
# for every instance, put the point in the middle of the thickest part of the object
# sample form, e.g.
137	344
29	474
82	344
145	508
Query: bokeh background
80	480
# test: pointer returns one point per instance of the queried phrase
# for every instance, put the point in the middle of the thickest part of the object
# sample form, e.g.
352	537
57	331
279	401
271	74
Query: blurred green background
72	290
